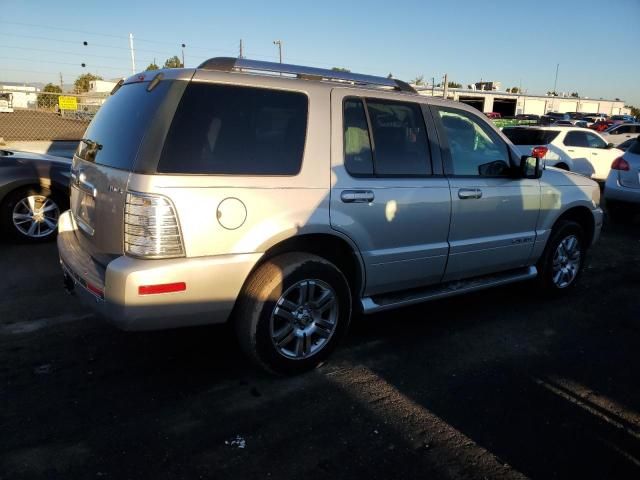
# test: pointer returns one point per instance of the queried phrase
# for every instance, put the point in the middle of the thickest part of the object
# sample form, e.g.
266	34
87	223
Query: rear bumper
614	191
212	285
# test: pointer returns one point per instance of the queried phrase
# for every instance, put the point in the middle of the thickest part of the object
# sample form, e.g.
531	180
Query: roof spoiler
230	64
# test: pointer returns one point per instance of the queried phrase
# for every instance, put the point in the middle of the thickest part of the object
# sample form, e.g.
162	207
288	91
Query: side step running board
380	303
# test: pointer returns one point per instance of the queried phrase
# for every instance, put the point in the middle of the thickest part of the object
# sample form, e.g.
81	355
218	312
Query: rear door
493	214
388	193
103	162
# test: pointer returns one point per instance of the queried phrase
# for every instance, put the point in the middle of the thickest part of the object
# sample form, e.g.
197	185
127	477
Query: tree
552	94
340	69
81	85
173	62
152	66
48	100
418	81
390	75
575	94
454	85
514	89
635	111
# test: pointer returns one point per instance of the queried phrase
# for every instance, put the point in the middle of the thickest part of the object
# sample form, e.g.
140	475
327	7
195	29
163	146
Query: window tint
576	139
399	138
473	150
357	146
530	136
635	147
221	129
121	123
623	129
595	142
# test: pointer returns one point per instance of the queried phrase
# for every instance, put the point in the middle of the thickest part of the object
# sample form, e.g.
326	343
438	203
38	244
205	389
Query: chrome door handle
569	150
468	193
357	196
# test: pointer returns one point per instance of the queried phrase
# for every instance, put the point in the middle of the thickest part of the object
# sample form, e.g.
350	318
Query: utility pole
133	55
183	45
433	84
241	50
279	43
445	91
555	83
61	84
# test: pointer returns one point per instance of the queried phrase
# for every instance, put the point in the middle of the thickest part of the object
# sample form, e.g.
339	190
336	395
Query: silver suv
284	198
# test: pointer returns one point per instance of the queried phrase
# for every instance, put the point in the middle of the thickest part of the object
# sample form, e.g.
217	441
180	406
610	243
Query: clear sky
515	42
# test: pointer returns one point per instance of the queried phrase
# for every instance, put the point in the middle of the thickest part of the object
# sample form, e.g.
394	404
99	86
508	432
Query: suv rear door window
223	129
530	136
357	146
399	138
576	139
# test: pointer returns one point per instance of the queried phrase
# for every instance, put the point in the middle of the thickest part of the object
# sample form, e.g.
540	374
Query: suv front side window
474	151
595	141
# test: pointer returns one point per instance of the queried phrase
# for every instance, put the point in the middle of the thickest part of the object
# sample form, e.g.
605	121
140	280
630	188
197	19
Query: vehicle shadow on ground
498	384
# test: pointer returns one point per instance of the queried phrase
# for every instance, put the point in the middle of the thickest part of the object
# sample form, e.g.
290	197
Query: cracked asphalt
499	384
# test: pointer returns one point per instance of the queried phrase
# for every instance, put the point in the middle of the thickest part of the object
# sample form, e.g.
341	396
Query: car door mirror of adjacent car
609	146
530	167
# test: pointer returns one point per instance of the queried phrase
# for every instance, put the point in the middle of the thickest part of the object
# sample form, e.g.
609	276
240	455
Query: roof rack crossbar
228	64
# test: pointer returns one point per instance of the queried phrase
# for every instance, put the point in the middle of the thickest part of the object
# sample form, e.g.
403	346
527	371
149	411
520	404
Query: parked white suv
574	149
284	201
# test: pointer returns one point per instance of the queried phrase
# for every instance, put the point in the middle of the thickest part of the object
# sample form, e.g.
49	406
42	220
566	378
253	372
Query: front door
385	195
493	214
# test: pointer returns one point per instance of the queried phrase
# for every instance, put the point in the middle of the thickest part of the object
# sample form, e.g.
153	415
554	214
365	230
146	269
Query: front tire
563	259
293	311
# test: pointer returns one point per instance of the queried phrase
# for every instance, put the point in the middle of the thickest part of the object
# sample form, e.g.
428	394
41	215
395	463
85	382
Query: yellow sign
68	103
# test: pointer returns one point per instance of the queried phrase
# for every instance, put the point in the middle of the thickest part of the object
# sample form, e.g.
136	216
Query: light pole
183	45
279	43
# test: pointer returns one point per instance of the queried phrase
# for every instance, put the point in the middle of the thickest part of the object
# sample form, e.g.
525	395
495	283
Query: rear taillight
620	164
539	152
151	228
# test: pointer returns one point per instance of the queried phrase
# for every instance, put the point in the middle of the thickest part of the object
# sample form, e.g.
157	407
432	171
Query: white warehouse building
510	104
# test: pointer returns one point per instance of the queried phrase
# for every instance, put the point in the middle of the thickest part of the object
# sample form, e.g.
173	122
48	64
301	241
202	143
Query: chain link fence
30	115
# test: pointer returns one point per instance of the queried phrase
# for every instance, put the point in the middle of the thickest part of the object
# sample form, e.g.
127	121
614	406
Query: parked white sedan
576	149
622	132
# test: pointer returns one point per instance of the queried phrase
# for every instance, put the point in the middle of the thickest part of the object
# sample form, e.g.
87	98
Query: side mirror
610	145
530	167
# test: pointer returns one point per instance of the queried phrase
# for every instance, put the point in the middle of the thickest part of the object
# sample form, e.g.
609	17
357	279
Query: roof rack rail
229	64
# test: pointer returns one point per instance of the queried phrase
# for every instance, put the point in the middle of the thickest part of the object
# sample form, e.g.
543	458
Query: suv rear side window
222	129
576	139
529	136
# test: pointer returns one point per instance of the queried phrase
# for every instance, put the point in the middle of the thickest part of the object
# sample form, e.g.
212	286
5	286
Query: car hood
560	177
35	157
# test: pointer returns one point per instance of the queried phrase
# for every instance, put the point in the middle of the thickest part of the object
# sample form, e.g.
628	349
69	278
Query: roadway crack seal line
31	326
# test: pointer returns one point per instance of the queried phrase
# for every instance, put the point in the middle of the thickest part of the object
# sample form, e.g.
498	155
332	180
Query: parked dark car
34	190
527	116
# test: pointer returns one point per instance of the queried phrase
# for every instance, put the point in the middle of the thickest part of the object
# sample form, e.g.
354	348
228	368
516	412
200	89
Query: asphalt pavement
504	383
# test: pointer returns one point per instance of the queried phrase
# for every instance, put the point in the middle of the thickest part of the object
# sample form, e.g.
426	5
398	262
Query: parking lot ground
498	384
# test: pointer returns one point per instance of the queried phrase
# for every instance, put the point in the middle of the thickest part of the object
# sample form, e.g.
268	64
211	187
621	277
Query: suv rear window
530	136
223	129
121	123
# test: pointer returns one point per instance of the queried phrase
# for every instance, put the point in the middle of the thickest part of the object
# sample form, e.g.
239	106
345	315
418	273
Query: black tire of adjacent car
258	299
562	230
13	198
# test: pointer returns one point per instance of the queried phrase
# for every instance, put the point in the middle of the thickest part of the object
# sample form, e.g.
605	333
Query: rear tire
563	258
292	313
30	214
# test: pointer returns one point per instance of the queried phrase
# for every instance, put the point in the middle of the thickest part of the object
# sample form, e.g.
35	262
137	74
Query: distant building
487	86
510	104
101	86
23	96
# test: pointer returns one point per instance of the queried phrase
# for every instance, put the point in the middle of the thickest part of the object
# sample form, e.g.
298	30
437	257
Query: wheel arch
581	215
